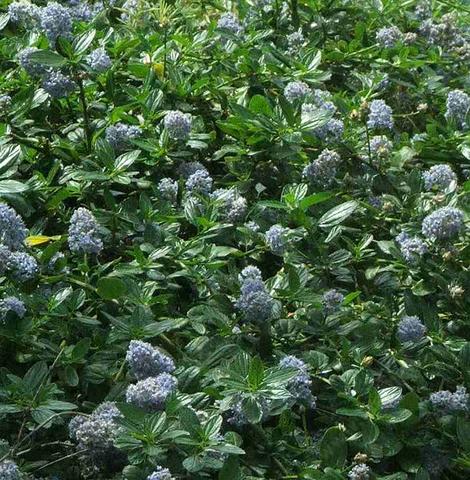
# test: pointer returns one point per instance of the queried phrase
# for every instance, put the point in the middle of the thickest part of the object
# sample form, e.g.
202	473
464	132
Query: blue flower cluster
160	473
359	472
24	13
178	124
451	402
322	171
458	108
23	266
83	232
331	301
99	60
146	361
11	304
412	248
151	393
55	21
234	205
95	434
9	470
277	239
13	231
57	85
410	329
299	386
439	177
5	103
388	37
443	224
380	115
230	22
199	182
296	91
120	135
255	302
168	189
380	146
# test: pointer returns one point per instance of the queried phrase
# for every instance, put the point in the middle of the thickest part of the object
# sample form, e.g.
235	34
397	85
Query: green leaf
259	104
333	448
463	433
47	57
230	470
83	41
71	376
9	155
12	186
464	357
111	287
338	214
313	199
252	409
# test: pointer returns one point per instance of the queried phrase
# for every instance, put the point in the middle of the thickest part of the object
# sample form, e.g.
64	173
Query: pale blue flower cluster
380	115
57	85
24	13
11	304
380	146
359	472
233	205
412	248
295	41
160	473
99	60
56	21
458	108
254	302
443	224
23	266
96	434
168	189
199	182
178	124
230	22
451	402
84	232
277	239
151	393
5	103
146	361
32	68
333	129
13	231
322	171
439	177
186	169
331	301
120	135
9	470
410	329
296	91
299	386
388	37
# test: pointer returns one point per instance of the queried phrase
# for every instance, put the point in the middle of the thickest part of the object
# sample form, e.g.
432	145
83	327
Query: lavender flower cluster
178	125
458	108
388	37
11	304
277	238
439	177
146	361
233	204
322	171
359	472
200	182
332	300
412	248
160	473
296	91
120	135
449	402
299	386
230	23
254	302
410	329
380	115
9	470
152	368
443	224
98	60
83	232
168	189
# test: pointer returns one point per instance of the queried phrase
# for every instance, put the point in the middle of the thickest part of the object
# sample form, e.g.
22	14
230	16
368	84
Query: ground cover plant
234	239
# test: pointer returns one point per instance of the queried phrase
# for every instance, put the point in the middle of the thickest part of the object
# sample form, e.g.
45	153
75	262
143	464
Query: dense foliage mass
234	240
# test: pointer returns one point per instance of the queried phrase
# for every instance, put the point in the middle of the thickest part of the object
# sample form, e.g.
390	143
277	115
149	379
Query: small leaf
12	186
338	214
83	41
333	448
111	287
47	57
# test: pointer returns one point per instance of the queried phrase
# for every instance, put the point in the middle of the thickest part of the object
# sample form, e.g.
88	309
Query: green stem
86	118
